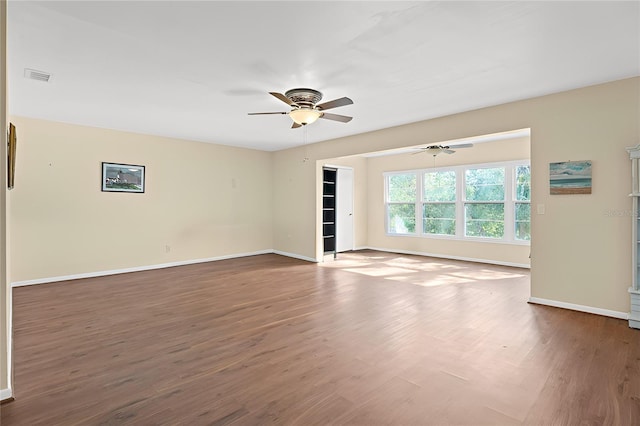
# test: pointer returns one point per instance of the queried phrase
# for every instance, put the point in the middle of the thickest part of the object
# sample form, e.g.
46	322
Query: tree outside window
523	203
439	203
401	203
484	206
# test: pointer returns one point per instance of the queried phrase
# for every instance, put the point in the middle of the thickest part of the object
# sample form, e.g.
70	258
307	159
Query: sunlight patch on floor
486	274
427	267
407	269
433	282
346	263
380	272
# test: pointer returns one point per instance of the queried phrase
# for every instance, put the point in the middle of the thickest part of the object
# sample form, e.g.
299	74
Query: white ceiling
193	70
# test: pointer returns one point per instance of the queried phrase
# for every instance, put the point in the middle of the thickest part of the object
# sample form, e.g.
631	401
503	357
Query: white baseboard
9	344
444	256
580	308
236	255
139	268
295	256
5	394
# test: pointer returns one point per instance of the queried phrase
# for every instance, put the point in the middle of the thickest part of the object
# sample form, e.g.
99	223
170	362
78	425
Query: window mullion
460	214
419	203
509	204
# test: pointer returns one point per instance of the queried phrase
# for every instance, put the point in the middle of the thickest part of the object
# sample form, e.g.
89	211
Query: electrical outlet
167	248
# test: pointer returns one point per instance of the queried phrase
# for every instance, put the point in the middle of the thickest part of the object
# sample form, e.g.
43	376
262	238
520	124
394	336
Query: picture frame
120	177
570	177
12	140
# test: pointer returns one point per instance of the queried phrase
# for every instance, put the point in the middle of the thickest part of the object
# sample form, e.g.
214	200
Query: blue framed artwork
570	177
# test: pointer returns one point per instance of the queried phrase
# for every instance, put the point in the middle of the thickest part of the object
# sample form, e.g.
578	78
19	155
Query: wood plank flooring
372	338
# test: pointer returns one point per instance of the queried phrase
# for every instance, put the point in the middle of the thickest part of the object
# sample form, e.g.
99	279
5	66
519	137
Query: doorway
344	210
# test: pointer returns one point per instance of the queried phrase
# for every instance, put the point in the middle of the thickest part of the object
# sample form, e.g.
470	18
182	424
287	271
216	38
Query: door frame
350	208
319	166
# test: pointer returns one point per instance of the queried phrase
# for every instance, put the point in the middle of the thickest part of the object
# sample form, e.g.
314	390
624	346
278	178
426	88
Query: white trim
295	256
580	308
5	394
332	166
513	242
140	268
158	266
9	344
445	256
510	134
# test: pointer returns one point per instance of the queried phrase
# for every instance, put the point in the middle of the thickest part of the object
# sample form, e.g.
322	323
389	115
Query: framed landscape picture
11	156
122	177
570	177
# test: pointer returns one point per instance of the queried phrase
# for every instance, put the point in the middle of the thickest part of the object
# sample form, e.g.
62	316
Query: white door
344	210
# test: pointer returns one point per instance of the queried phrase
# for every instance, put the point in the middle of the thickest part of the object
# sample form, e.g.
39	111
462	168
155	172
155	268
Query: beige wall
501	150
5	301
201	200
580	250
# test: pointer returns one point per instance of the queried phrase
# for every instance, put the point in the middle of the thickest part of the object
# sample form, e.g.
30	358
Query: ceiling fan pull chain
305	139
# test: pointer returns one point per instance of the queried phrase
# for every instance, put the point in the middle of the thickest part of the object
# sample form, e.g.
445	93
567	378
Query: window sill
464	239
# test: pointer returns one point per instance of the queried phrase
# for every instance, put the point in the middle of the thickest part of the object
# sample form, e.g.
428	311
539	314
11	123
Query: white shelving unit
634	290
329	183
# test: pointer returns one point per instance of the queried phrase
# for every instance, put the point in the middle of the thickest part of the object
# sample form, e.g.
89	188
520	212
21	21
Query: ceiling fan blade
336	117
448	151
283	98
265	113
334	103
462	145
295	125
422	151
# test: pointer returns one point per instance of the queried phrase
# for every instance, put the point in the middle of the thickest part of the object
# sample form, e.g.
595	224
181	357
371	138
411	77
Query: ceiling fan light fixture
305	115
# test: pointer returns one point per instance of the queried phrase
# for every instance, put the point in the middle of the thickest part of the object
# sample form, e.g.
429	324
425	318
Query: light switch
540	208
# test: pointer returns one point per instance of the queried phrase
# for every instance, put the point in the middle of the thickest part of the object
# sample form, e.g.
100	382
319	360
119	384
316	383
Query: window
488	202
439	203
484	206
523	203
401	203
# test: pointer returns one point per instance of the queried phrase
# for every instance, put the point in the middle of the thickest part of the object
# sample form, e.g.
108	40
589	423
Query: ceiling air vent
37	75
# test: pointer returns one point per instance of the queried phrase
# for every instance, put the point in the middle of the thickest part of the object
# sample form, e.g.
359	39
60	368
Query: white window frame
509	202
464	202
422	201
387	202
516	201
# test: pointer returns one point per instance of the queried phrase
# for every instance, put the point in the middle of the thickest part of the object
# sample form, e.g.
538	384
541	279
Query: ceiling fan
438	149
305	108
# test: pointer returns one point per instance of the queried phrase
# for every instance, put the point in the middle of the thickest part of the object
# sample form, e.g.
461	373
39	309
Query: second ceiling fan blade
283	98
336	117
266	113
295	125
462	145
334	103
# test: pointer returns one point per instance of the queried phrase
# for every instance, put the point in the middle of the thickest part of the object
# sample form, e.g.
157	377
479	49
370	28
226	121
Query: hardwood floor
372	338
